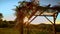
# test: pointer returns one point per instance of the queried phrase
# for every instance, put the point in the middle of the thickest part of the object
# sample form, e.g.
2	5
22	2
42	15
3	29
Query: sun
25	19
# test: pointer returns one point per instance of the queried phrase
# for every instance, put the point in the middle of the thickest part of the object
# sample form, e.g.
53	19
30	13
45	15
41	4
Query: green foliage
3	24
6	24
11	24
1	16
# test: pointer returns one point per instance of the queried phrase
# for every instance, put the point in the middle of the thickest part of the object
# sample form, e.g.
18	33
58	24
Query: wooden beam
48	19
35	17
45	15
55	17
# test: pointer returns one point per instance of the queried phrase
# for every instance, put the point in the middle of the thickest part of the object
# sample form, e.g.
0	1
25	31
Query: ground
13	31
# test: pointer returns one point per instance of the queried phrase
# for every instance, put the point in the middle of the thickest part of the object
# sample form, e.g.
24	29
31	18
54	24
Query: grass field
8	31
12	31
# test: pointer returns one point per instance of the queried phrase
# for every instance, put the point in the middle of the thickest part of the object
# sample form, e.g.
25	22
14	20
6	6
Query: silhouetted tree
1	16
24	10
21	13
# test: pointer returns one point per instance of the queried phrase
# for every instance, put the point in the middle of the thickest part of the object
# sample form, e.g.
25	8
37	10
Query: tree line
5	23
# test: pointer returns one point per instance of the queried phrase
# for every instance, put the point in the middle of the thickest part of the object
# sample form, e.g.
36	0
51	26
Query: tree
1	16
27	9
22	11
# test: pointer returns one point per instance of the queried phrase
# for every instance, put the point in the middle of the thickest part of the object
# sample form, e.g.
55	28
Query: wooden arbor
46	14
31	9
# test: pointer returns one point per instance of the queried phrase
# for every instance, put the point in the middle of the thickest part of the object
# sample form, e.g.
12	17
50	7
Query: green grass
13	31
8	31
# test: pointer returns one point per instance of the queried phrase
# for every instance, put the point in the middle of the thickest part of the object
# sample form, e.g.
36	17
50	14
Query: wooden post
55	17
54	24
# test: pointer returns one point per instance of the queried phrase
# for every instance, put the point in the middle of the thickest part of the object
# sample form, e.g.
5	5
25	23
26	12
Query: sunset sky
6	7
